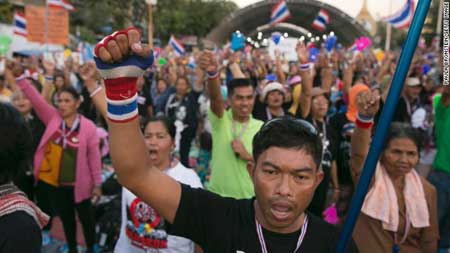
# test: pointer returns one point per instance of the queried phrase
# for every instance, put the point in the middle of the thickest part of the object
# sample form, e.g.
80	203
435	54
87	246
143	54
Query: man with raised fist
284	171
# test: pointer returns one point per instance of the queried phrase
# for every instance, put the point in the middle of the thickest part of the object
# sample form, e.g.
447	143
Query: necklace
262	242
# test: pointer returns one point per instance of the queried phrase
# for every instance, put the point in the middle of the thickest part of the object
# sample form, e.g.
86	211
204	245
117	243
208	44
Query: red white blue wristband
122	110
364	122
305	66
212	75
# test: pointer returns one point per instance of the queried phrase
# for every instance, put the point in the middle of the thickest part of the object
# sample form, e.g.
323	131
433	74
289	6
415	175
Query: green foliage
186	17
6	13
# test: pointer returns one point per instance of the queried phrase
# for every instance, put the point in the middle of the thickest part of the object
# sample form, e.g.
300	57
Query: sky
378	8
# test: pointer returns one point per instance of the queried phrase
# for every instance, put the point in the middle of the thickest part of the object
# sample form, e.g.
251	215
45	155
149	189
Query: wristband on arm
120	82
363	121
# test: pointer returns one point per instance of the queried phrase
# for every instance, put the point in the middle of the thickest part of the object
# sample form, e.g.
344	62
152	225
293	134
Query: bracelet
97	90
364	122
364	118
49	78
212	75
305	66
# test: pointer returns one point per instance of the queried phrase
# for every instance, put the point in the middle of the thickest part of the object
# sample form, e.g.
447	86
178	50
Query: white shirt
146	227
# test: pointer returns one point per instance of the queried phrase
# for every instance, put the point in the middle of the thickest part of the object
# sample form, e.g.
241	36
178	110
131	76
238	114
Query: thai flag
60	4
20	24
353	47
176	46
321	21
280	13
402	18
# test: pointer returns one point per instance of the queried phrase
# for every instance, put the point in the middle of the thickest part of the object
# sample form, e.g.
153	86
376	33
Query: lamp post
150	4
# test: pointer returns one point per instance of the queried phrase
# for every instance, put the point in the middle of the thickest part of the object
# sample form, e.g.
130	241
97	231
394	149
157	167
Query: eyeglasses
298	123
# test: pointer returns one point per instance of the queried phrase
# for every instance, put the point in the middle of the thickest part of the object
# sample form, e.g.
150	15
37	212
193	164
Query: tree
187	17
193	17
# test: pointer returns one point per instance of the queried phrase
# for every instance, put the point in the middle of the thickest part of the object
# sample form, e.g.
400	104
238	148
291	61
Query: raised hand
88	71
208	62
120	60
302	52
14	68
367	103
118	46
49	67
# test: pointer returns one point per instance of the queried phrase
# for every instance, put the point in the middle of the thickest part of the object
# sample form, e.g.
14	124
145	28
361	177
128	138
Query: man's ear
251	168
319	176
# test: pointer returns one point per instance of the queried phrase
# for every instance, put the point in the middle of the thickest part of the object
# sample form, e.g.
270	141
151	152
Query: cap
294	80
271	87
413	81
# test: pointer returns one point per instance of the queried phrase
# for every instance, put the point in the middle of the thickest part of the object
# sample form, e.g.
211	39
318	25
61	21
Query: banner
58	25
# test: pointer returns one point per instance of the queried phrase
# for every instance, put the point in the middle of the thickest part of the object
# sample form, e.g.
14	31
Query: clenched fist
368	103
208	62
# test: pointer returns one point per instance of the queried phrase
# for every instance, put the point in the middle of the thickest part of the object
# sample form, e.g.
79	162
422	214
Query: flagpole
46	27
439	20
387	45
150	24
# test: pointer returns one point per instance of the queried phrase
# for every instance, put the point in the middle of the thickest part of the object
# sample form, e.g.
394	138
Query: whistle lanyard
262	242
64	135
243	129
269	114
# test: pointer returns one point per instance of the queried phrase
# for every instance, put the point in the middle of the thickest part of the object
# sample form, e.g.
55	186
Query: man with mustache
285	171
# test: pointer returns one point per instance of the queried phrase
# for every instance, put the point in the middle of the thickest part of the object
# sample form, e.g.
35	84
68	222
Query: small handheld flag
176	46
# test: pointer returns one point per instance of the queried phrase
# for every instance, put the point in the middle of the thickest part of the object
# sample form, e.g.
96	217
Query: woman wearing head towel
399	213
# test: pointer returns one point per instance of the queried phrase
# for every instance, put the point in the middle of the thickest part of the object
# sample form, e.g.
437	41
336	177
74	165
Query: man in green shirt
440	177
232	133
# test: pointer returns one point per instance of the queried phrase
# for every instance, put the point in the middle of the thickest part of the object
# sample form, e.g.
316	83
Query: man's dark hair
15	143
237	82
291	133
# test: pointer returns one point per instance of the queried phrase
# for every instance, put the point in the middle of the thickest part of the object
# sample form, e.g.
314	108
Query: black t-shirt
186	110
19	232
221	224
341	130
317	205
144	101
404	110
260	110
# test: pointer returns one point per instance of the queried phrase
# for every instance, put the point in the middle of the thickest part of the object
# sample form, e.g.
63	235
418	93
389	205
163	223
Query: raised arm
88	73
235	69
43	109
129	154
307	79
209	64
368	105
279	69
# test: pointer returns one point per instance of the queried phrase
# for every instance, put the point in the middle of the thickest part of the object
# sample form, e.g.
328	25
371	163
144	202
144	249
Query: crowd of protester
199	114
